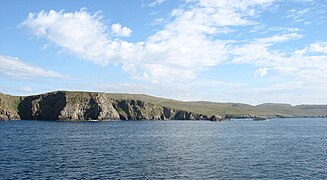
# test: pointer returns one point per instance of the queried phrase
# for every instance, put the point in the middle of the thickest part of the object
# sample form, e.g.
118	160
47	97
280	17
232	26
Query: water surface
277	149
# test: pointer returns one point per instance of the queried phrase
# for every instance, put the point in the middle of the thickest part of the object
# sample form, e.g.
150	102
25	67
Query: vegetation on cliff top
9	106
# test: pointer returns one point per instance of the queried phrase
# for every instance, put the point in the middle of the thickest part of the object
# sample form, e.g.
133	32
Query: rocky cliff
89	106
63	105
8	107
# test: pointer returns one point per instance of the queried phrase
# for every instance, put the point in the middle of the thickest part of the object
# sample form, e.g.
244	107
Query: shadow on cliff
93	111
42	107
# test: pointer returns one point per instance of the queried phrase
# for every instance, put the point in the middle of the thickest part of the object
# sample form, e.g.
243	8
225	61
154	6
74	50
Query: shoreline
120	120
88	106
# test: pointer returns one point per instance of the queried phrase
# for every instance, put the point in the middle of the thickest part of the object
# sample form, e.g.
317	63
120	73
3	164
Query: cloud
191	41
319	47
261	72
298	15
15	68
186	46
26	88
118	30
302	65
156	3
279	38
79	32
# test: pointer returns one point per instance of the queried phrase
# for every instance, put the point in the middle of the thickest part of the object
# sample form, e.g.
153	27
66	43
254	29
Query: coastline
95	106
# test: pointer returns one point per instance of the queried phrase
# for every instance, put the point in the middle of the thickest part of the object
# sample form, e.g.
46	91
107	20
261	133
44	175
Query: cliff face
44	107
90	106
62	105
8	107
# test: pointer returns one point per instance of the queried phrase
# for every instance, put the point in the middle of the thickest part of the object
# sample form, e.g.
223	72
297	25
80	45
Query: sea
237	149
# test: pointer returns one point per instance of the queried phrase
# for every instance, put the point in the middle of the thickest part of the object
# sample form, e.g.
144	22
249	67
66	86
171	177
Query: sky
247	51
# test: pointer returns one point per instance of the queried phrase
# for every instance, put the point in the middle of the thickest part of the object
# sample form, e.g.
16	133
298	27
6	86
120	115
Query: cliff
63	105
9	107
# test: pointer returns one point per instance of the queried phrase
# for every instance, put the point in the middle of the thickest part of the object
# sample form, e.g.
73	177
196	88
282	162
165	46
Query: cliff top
201	107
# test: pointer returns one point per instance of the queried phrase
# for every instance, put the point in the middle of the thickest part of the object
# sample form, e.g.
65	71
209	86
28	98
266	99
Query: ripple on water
279	149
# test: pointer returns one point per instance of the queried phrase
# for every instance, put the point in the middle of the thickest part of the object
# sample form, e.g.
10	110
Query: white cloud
279	38
300	52
298	15
118	30
299	66
186	46
261	72
79	32
15	68
183	48
156	2
26	88
319	47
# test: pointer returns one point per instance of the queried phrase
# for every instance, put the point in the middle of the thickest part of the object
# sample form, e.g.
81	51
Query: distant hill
67	105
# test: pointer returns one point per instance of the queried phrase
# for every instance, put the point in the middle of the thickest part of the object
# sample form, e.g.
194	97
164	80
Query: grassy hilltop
68	105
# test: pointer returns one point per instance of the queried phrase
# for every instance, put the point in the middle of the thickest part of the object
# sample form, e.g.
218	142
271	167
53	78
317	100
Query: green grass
16	103
214	108
9	103
201	107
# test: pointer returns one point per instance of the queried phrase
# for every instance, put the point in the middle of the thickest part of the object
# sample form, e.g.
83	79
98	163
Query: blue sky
249	51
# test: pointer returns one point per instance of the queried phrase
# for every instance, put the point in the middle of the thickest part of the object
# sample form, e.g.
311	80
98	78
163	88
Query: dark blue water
277	149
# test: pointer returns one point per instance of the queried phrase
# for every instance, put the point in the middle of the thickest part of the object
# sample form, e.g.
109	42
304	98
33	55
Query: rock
87	106
62	105
216	118
9	107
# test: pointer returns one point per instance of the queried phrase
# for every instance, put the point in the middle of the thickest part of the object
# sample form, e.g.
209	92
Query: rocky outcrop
216	118
8	107
45	107
76	106
91	106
